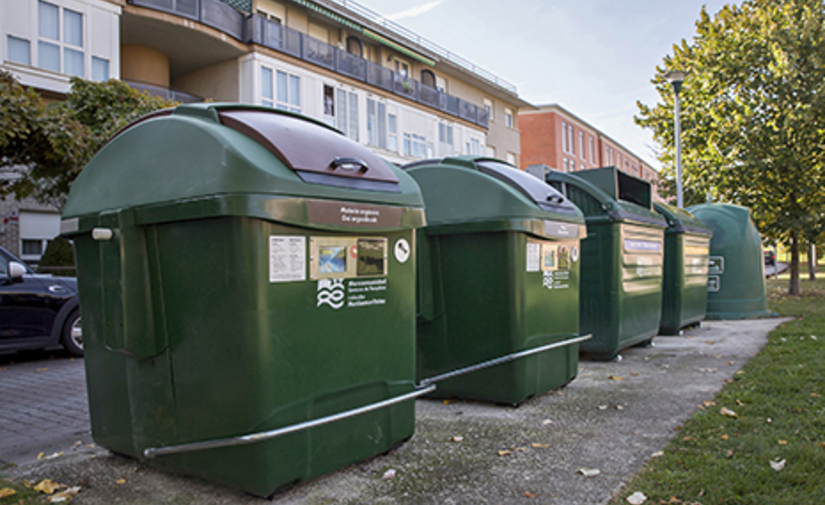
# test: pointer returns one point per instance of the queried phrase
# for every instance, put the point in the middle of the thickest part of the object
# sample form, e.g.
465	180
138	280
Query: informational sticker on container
533	256
648	246
353	214
558	279
563	230
287	258
351	293
714	283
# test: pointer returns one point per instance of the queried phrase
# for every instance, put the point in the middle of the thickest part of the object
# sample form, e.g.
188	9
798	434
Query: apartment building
553	136
334	60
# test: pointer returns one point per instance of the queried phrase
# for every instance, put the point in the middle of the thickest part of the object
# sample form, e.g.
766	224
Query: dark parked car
770	258
37	311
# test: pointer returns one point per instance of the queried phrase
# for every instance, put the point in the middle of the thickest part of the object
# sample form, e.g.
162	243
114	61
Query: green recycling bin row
248	285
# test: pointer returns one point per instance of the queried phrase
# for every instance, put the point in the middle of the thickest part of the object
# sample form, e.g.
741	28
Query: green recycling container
622	257
498	281
736	267
248	286
684	286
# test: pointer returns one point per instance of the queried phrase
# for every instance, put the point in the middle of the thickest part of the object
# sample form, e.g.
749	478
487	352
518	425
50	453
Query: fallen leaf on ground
389	474
634	374
689	439
769	420
730	363
504	452
725	437
727	412
782	442
619	407
739	402
541	446
547	421
445	402
456	438
589	472
657	454
602	407
637	498
42	370
40	456
815	395
727	381
729	454
7	491
778	465
52	456
530	495
709	342
709	403
616	377
64	496
521	449
48	486
120	481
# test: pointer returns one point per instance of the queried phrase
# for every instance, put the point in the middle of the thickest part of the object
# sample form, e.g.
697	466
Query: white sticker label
402	250
533	257
287	258
574	254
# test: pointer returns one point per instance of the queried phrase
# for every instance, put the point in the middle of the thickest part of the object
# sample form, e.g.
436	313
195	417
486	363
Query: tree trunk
793	289
812	261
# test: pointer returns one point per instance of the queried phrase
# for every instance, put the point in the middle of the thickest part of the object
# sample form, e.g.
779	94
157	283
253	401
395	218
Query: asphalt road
611	418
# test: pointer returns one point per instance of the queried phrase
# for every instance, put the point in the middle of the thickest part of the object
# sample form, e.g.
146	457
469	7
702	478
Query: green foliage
753	113
44	145
59	253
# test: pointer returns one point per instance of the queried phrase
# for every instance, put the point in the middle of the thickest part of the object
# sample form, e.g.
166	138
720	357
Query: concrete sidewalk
611	418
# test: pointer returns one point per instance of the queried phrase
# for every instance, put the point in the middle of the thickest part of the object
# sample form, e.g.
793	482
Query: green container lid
250	161
473	193
736	272
681	221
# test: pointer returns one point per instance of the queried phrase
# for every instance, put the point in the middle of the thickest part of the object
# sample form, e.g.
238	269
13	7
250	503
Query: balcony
165	93
249	29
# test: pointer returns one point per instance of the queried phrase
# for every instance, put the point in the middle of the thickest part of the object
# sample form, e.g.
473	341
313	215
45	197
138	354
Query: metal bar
502	359
252	438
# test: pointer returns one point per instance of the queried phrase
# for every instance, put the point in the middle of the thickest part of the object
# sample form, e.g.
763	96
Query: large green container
246	274
622	257
498	281
684	287
736	272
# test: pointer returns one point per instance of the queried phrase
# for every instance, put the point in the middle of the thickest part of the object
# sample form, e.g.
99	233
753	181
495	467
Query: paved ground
611	418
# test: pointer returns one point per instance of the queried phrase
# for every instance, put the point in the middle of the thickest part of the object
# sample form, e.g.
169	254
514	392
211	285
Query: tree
44	145
753	116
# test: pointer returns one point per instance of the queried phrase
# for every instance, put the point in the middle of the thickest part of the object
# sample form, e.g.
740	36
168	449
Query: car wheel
73	334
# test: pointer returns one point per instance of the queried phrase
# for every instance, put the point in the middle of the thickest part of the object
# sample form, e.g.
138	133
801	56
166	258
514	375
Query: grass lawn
779	402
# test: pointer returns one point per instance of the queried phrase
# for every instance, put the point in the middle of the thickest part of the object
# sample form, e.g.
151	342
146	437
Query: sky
595	58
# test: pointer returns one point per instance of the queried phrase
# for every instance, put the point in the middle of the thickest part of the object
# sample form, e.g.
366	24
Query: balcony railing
256	29
165	93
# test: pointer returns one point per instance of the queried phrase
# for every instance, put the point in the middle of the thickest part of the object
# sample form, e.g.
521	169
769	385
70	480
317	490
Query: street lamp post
676	78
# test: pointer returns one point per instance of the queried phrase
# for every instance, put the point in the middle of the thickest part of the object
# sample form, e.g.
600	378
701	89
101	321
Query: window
392	133
428	78
346	117
508	118
581	144
475	147
566	165
402	68
571	138
52	48
19	50
31	247
267	96
565	144
511	158
329	105
354	46
445	140
376	123
100	69
416	146
288	91
592	145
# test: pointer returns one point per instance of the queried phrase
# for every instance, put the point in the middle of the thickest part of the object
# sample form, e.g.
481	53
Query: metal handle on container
502	359
252	438
349	164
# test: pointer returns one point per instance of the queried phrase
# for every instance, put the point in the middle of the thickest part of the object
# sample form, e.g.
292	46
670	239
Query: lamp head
676	78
